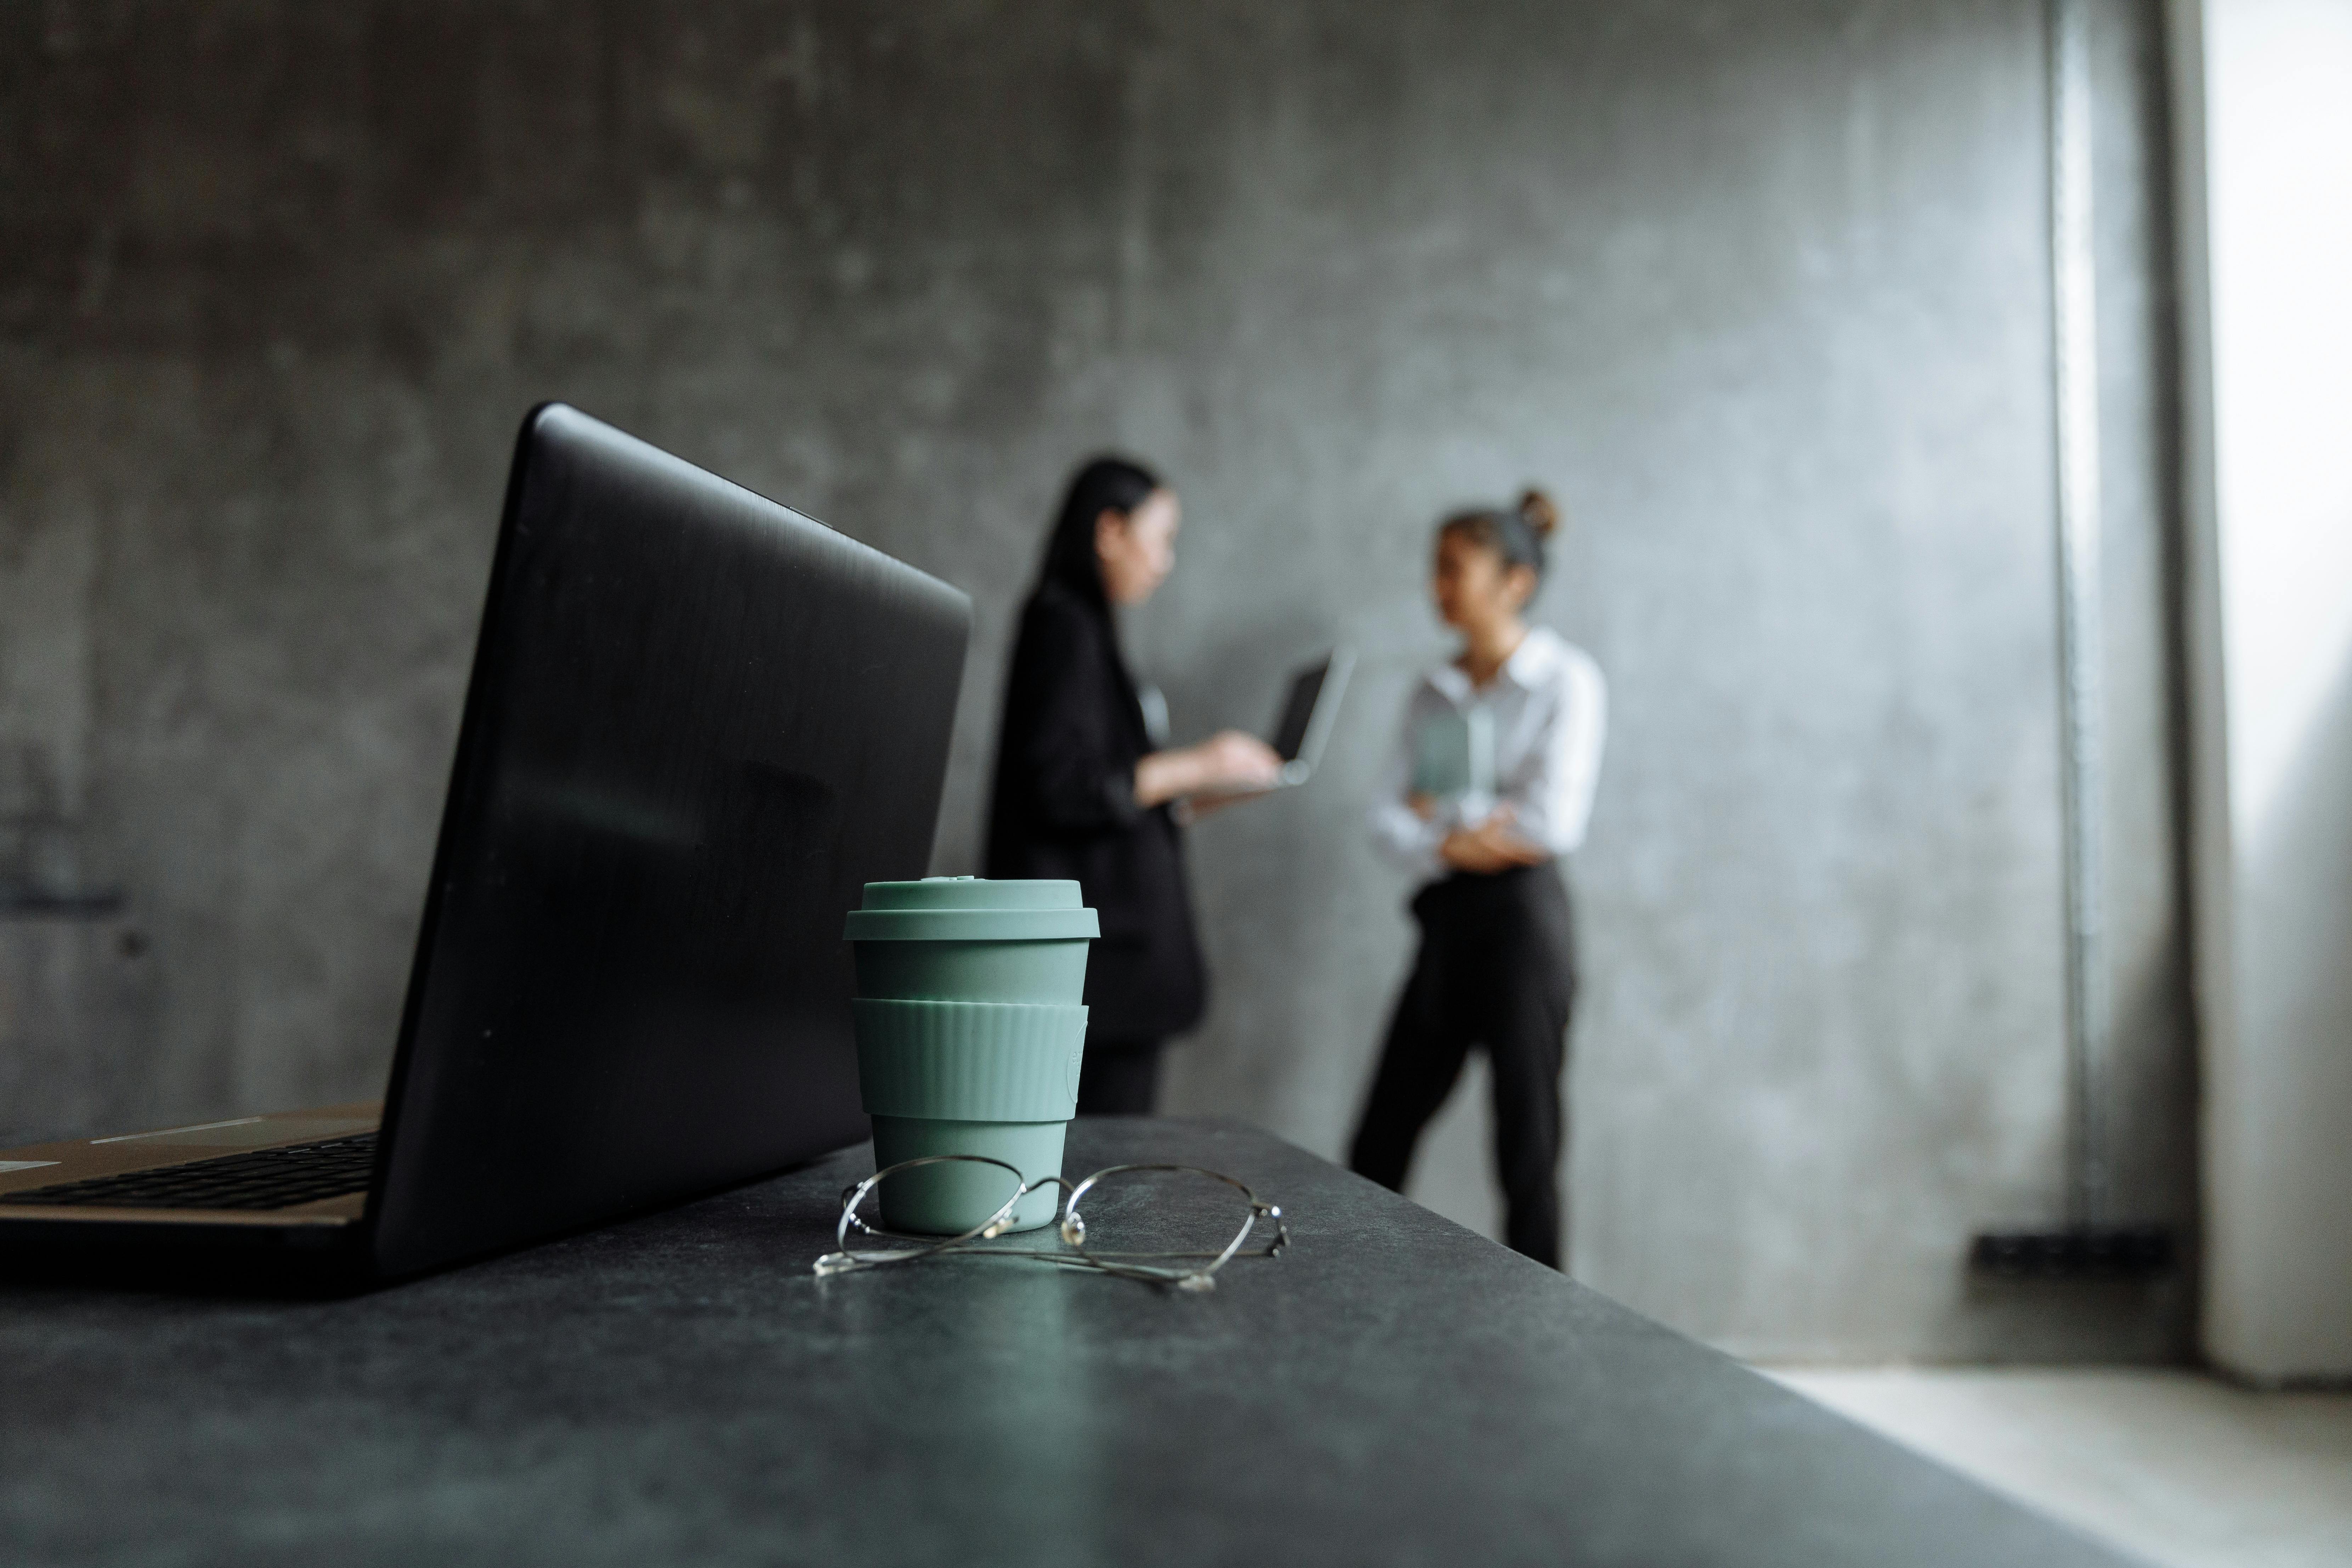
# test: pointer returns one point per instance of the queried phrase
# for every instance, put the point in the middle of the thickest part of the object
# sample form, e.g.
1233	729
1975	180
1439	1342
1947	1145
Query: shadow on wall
76	993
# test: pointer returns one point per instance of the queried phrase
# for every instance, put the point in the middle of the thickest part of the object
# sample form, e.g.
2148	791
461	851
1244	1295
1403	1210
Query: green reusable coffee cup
971	1030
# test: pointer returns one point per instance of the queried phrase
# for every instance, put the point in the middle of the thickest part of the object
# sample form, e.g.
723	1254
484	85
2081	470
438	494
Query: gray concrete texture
1760	291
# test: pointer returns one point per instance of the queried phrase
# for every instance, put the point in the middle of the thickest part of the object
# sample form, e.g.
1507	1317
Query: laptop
1309	708
1308	711
698	724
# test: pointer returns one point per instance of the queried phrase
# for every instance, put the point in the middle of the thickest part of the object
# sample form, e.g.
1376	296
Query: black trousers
1496	969
1119	1077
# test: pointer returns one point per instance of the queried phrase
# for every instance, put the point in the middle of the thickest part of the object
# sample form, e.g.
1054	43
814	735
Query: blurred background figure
1082	792
1492	782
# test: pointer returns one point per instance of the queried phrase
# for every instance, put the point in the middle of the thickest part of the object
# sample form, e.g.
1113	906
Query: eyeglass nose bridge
995	1227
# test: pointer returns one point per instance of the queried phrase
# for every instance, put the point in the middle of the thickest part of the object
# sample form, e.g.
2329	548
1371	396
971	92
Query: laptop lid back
1297	709
698	724
1308	711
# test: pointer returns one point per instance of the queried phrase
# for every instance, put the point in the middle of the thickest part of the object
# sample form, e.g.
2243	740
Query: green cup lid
972	909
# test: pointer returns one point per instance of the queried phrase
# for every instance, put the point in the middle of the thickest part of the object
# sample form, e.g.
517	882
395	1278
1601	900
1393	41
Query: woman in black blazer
1080	792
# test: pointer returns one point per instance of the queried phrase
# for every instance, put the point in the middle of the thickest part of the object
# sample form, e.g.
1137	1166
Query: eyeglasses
1178	1204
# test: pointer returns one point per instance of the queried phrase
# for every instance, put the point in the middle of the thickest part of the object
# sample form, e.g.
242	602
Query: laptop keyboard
262	1179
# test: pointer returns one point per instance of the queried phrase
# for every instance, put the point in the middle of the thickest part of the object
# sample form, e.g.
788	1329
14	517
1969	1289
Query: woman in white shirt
1491	785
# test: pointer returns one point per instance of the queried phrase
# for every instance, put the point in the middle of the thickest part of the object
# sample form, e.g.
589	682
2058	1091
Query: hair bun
1539	511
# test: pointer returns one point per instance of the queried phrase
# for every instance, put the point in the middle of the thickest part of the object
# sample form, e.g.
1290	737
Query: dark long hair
1106	483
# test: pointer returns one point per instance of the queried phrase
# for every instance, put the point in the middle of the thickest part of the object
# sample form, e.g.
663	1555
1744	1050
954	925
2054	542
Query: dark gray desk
680	1390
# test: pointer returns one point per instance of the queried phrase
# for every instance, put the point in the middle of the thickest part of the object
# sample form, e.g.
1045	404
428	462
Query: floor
2175	1467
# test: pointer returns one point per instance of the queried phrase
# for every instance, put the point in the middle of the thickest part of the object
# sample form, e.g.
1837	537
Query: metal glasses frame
1072	1229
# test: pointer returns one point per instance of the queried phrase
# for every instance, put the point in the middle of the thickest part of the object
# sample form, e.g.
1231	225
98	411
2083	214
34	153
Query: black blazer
1063	805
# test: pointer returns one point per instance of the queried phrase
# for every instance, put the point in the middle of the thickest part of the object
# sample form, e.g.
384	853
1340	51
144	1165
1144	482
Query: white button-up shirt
1547	712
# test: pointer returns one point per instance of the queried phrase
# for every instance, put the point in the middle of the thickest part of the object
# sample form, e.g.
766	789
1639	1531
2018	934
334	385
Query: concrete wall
1760	290
2269	128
